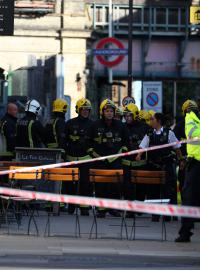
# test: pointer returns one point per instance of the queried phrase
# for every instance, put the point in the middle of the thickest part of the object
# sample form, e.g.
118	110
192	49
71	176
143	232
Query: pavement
63	251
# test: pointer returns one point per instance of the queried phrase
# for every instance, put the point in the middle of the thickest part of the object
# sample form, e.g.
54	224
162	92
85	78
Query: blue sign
152	99
110	52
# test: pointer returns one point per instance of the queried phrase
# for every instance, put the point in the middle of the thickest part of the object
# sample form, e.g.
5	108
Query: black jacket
55	131
107	140
76	131
179	131
30	132
137	131
8	129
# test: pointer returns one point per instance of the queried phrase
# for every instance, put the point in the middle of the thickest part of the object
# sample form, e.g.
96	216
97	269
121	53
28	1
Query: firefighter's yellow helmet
144	115
106	103
60	105
151	113
189	105
83	103
132	109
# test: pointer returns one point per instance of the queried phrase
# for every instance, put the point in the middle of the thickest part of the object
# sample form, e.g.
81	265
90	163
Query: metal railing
34	7
147	20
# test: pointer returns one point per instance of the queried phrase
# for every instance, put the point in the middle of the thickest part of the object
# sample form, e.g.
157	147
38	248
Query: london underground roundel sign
101	52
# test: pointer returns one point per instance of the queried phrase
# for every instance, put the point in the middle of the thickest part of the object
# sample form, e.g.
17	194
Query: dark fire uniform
137	131
76	138
55	132
107	140
30	132
8	133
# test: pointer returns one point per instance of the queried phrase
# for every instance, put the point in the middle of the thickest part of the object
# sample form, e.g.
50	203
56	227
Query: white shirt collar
158	131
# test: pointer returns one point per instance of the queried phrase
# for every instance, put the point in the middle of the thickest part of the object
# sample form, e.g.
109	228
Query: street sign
101	51
110	52
152	96
195	15
152	99
6	17
128	100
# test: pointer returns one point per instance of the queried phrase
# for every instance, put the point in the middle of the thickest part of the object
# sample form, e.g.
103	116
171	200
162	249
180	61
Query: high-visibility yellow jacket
192	130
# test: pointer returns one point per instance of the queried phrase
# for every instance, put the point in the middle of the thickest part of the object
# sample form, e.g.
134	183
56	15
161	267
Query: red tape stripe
74	163
135	206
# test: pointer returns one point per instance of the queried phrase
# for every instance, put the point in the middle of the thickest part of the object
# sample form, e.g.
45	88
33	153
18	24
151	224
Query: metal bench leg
94	223
133	230
77	228
47	227
5	213
32	218
123	224
164	231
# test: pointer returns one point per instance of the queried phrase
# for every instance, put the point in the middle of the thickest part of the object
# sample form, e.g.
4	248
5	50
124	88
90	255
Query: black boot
184	237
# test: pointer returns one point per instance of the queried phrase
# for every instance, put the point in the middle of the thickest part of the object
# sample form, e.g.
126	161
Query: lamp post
110	29
130	48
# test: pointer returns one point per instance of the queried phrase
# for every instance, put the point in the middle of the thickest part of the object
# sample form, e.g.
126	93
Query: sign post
128	100
6	17
152	96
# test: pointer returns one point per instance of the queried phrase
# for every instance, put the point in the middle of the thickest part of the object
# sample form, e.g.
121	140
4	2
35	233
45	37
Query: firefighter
108	136
191	188
55	128
8	132
162	159
76	148
119	114
137	130
30	131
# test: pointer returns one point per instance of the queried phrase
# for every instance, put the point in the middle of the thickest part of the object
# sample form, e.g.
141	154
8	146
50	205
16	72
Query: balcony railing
38	7
147	20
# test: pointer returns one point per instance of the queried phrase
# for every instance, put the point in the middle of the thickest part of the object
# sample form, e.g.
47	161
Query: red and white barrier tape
135	206
73	163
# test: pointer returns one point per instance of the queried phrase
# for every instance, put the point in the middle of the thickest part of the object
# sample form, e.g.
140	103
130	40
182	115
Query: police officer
76	147
191	188
137	129
55	128
162	159
8	132
108	136
30	132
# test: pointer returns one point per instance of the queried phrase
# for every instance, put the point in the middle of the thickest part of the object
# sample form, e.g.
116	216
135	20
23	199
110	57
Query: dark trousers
190	194
84	184
131	191
181	179
107	190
